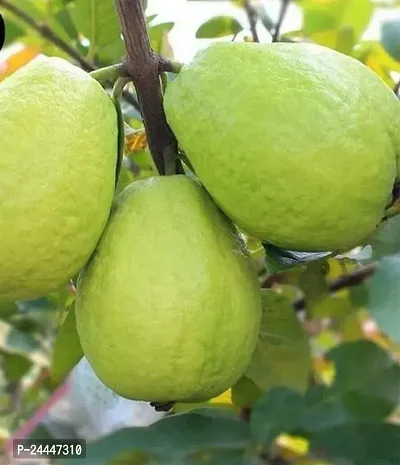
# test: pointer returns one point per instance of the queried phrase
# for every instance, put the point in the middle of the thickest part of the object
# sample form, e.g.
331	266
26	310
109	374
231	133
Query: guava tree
218	239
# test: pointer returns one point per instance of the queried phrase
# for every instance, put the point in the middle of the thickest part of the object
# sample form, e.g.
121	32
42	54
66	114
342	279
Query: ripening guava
168	307
297	143
58	152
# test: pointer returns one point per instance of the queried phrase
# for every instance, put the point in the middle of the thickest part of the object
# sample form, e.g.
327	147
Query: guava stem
118	88
252	16
143	66
281	18
169	66
108	74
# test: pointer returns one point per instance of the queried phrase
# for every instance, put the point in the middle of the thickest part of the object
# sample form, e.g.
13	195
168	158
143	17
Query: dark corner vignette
2	32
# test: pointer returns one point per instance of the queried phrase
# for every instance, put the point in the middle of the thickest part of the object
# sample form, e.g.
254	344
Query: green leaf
219	26
172	438
98	21
276	412
64	18
15	366
277	259
360	444
219	458
282	356
245	393
384	296
67	348
159	37
7	309
345	41
313	283
13	341
367	379
386	240
13	31
334	306
390	33
323	409
337	23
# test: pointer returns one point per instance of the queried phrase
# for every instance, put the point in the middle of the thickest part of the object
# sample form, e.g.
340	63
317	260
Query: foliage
326	369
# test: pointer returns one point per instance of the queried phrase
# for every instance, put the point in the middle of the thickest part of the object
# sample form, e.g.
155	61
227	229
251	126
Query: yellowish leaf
13	62
291	447
135	141
224	398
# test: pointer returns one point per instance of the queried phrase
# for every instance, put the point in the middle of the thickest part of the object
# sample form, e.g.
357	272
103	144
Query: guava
58	152
169	305
297	143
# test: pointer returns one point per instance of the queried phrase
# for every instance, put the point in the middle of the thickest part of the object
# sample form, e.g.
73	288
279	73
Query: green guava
297	143
58	152
169	306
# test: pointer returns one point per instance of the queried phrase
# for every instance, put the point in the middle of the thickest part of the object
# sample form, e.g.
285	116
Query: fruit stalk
143	66
282	14
252	17
109	73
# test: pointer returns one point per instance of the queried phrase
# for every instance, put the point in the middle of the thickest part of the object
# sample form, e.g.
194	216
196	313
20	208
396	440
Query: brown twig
252	17
282	14
143	66
348	280
396	88
48	34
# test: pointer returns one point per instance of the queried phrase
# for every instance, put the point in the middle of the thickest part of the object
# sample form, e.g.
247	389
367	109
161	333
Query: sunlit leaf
338	24
219	26
159	38
98	21
375	57
282	356
67	349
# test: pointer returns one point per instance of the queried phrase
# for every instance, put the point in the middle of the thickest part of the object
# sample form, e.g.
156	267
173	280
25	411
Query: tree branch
48	34
252	17
142	64
282	14
396	88
348	280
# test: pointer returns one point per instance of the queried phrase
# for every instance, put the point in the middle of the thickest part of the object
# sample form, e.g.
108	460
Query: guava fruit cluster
294	144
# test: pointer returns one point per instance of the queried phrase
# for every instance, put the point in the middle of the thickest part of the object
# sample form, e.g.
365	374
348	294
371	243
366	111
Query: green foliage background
326	367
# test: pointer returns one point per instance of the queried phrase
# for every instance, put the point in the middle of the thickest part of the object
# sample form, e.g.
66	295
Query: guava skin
58	152
169	306
297	143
